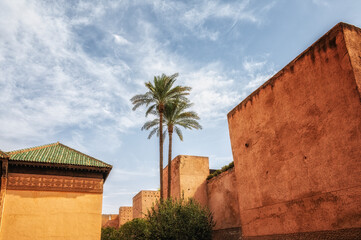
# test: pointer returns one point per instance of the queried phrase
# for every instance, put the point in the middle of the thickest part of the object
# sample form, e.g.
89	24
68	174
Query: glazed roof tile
55	153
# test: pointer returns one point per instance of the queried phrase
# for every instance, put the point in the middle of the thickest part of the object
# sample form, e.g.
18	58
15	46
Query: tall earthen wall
223	203
189	175
143	201
125	215
296	144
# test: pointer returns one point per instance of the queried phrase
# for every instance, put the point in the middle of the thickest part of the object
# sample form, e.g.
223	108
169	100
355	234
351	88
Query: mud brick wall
143	201
125	215
296	142
223	200
189	175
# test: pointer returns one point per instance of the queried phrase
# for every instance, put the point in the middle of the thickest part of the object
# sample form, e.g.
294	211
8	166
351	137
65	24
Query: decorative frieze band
17	181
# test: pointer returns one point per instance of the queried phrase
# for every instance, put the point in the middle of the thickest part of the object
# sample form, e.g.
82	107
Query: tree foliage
159	93
180	220
167	220
137	229
110	233
176	115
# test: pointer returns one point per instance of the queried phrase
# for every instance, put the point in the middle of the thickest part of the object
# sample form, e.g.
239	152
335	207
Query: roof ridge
31	148
56	153
83	154
3	154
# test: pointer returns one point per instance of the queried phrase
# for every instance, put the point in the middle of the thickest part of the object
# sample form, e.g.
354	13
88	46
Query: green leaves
180	220
160	92
219	171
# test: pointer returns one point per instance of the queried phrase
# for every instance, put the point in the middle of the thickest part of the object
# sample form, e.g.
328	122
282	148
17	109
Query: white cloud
257	72
194	17
49	82
213	92
51	85
120	40
214	9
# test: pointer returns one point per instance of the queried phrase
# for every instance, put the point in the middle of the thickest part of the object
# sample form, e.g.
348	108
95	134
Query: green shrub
137	229
223	169
110	233
179	220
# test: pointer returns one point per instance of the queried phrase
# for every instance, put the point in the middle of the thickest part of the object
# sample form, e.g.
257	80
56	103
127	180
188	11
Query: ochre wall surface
189	175
223	200
143	201
296	142
125	215
175	178
353	43
44	215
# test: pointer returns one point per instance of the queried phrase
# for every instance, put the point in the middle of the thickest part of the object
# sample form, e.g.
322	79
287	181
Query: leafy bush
137	229
110	233
167	220
223	169
179	220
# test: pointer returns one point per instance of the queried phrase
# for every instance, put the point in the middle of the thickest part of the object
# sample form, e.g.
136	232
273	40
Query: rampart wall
296	149
143	201
125	215
189	175
296	142
223	203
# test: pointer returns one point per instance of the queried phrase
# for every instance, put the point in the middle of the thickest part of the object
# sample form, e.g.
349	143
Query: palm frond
152	133
150	124
179	133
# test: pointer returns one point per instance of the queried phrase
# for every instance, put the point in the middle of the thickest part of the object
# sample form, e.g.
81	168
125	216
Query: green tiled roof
3	155
55	153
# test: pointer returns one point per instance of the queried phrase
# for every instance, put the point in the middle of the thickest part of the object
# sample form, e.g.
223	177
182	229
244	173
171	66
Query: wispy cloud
49	81
68	70
199	18
120	40
257	72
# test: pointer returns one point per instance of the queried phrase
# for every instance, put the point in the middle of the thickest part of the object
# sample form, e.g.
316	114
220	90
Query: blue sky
69	68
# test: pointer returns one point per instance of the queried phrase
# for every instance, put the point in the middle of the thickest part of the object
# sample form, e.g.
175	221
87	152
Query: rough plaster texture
296	142
47	215
189	175
223	200
143	201
125	215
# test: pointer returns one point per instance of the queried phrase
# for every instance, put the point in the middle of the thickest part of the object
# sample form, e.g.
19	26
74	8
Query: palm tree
175	116
159	93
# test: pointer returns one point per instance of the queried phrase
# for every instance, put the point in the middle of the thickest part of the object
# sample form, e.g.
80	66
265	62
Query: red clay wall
296	142
175	192
223	200
189	175
143	201
110	220
125	215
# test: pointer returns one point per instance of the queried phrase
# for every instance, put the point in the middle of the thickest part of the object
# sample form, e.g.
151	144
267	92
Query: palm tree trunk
170	132
161	150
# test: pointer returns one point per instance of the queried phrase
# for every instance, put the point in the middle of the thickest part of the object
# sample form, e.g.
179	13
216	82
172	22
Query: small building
51	192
